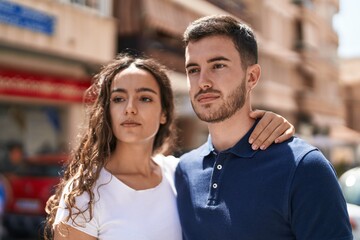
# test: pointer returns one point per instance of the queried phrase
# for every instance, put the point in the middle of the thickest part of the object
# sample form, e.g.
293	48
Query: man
227	190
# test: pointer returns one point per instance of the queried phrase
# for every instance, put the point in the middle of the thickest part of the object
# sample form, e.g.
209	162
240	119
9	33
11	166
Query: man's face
216	79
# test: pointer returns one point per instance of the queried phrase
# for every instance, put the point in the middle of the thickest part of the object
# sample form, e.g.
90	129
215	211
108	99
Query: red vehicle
27	190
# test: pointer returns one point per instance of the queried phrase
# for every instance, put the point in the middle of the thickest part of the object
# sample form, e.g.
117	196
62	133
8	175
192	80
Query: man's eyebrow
143	89
214	59
220	58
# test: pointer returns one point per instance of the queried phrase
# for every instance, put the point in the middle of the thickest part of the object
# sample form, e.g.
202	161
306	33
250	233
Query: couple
118	185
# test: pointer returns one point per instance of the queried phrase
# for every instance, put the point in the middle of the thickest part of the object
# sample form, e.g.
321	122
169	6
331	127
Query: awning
16	83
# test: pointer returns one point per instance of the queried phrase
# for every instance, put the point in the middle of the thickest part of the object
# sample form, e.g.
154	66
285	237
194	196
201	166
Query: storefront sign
24	84
24	17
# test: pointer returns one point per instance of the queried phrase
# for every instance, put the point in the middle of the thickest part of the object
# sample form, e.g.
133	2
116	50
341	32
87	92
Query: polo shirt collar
242	148
207	148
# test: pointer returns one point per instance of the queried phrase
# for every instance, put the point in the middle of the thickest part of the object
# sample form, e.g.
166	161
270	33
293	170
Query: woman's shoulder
81	199
103	179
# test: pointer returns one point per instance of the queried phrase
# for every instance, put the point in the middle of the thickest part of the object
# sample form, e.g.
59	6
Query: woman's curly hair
98	140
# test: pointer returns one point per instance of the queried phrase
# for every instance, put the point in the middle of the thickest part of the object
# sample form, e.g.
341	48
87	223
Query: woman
117	184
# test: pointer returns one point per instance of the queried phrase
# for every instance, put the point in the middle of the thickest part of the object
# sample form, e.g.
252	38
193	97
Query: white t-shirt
121	212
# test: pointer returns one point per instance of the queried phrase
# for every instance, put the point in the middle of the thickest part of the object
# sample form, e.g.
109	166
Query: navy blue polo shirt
288	191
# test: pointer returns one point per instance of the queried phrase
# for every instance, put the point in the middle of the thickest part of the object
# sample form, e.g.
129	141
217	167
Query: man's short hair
224	25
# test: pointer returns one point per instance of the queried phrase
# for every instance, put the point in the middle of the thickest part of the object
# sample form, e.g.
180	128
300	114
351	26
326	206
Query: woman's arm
271	128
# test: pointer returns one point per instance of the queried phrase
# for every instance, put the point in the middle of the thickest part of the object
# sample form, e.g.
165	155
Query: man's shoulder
194	155
290	151
298	149
299	146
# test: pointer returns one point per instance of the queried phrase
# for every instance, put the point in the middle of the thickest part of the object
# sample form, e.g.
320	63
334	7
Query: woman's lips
130	123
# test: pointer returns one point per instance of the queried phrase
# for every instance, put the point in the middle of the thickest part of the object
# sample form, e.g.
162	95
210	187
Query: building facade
49	51
297	52
350	82
350	79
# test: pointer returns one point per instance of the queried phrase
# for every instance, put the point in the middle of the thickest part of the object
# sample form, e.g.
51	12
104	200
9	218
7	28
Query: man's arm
316	201
271	128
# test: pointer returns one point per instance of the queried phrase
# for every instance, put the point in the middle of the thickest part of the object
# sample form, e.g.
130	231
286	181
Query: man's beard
227	109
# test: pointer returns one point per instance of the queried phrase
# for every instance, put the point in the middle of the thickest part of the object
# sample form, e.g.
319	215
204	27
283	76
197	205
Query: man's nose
205	81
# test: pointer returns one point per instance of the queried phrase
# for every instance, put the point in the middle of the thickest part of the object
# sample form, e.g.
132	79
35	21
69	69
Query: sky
347	25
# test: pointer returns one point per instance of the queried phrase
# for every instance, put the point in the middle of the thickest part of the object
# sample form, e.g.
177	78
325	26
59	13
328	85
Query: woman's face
135	106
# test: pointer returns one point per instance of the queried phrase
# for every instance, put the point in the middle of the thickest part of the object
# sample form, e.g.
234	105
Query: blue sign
25	17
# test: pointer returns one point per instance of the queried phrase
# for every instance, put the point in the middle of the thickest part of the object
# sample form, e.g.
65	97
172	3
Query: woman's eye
192	70
146	99
117	99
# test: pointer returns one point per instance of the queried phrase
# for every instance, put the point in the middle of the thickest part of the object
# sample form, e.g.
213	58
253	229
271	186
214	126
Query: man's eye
117	99
216	66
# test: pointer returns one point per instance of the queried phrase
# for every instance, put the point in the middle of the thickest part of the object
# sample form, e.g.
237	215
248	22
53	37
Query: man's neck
227	133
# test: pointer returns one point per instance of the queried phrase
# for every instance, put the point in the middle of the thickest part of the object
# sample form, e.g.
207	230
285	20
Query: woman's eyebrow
145	89
142	89
118	90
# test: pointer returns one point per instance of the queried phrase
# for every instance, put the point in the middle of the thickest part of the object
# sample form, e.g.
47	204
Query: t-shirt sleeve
82	221
171	162
317	206
168	165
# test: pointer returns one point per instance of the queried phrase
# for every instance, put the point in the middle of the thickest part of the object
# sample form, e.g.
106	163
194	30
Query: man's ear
253	75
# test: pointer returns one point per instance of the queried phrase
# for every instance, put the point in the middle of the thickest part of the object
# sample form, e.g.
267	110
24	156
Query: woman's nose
130	108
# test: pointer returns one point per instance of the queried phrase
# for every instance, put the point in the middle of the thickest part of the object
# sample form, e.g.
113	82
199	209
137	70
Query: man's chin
206	117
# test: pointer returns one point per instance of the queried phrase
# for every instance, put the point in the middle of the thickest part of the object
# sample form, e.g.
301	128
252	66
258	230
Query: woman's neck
134	166
131	158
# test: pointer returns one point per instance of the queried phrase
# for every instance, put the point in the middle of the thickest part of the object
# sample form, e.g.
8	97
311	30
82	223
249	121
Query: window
103	7
299	37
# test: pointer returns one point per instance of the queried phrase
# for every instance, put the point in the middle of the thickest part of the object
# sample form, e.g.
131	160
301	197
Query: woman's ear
163	118
253	75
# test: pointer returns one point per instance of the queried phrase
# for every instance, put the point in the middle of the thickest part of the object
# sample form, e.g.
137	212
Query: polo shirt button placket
215	179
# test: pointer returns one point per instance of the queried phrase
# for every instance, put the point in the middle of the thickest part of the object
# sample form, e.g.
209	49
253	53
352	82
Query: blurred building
49	50
297	48
53	55
350	79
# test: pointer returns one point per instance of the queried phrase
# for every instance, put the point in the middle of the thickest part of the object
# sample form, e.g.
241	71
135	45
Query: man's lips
207	97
